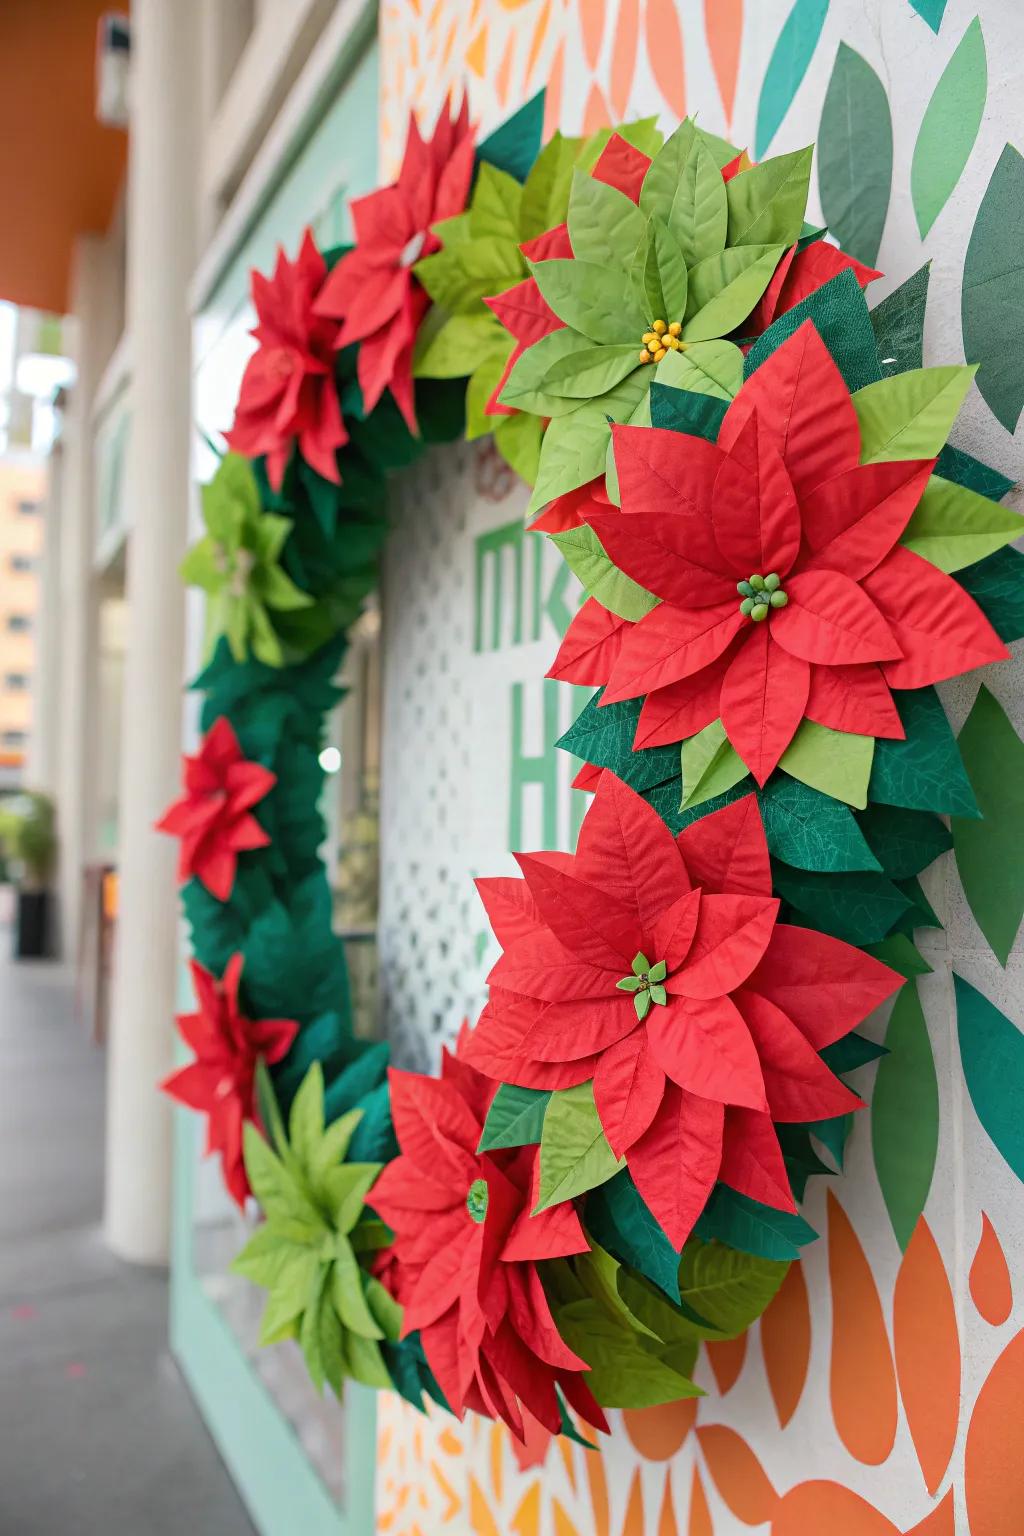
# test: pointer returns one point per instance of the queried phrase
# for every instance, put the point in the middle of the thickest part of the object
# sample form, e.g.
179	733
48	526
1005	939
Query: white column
162	168
78	630
44	751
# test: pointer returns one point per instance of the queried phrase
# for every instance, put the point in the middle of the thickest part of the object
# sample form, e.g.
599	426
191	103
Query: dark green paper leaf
905	1115
987	851
855	155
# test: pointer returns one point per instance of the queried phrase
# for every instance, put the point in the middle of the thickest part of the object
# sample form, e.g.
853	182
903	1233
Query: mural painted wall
884	1391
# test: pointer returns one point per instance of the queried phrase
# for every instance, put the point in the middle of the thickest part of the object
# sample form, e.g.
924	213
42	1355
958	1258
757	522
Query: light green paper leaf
484	380
724	289
949	128
836	762
347	1293
575	446
524	387
908	416
546	190
685	190
455	350
705	368
518	440
767	203
583	552
591	299
574	1151
659	274
905	1115
461	275
495	209
730	1289
592	371
988	851
711	765
952	526
306	1120
605	226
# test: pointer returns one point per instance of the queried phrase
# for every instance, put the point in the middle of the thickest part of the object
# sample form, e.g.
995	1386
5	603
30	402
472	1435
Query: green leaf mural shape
855	155
992	296
992	1053
986	850
793	51
949	128
905	1115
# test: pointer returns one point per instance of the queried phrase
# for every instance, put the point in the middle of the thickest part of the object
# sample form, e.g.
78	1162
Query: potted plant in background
29	841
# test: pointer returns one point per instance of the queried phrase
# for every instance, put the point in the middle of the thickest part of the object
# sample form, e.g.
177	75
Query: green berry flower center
646	984
476	1200
759	595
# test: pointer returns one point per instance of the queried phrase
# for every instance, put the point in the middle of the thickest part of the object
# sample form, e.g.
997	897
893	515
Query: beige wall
21	484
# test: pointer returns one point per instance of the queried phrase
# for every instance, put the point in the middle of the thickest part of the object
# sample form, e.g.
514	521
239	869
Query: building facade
249	122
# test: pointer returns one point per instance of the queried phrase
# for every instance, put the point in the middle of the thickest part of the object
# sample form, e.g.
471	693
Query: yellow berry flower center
661	338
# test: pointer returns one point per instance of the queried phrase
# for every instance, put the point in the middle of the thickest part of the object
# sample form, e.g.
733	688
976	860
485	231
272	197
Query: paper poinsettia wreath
748	470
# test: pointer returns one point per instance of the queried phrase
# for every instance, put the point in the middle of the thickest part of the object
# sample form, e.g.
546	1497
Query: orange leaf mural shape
633	1524
723	23
826	1509
863	1382
726	1358
991	1287
737	1474
940	1522
667	1519
592	13
658	1433
927	1348
624	56
994	1459
598	1492
595	113
700	1515
786	1343
665	53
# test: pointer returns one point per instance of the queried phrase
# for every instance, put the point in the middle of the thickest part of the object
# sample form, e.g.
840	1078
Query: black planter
32	933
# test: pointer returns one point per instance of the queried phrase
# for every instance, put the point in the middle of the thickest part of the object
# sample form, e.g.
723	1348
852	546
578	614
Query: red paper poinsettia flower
373	289
657	967
785	592
288	393
466	1251
214	818
221	1081
527	316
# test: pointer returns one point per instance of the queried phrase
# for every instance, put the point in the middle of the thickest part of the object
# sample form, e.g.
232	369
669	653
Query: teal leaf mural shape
855	155
992	297
992	1053
905	1115
949	128
930	11
987	857
793	51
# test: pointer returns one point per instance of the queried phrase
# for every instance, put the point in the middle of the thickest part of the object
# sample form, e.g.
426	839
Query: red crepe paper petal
530	1316
194	1086
591	924
752	1161
655	550
213	816
732	935
681	709
628	1088
570	509
833	621
625	847
438	1288
753	507
801	400
727	852
798	1083
762	701
853	520
664	473
669	644
813	267
511	910
675	1163
622	166
435	1128
590	646
215	865
706	1048
540	966
824	986
941	631
588	778
524	312
855	699
572	1031
672	935
552	245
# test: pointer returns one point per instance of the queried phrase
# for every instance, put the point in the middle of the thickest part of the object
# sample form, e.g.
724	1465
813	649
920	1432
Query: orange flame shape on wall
991	1287
737	1474
726	1358
665	52
624	56
863	1381
994	1460
786	1343
927	1347
723	23
700	1515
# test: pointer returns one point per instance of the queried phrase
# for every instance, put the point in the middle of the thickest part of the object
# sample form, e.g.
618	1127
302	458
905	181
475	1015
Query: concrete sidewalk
98	1434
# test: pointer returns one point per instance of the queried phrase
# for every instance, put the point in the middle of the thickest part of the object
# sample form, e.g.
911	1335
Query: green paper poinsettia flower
672	267
311	1250
237	565
481	257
